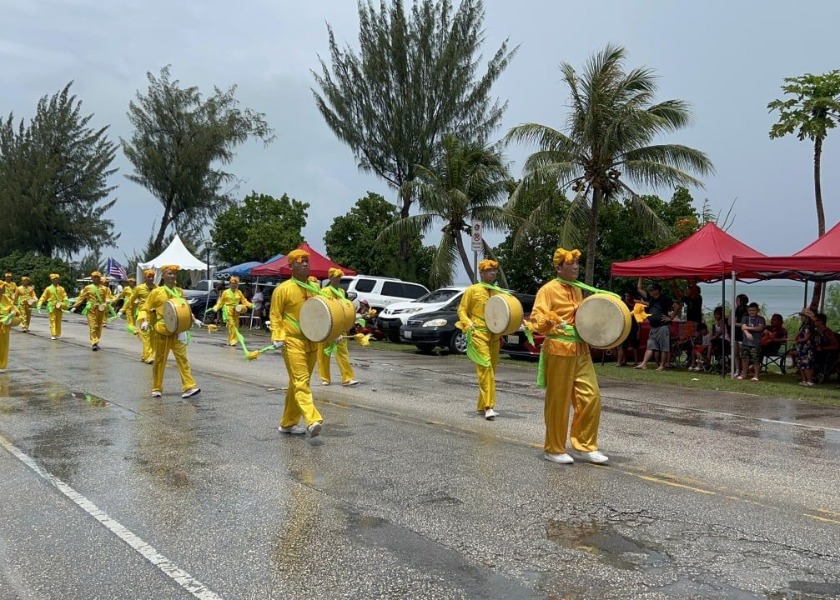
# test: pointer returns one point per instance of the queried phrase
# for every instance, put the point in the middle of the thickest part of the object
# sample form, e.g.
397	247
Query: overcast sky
728	59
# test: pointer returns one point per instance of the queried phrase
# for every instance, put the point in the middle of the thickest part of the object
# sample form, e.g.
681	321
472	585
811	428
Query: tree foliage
353	241
608	142
179	142
36	266
259	228
53	180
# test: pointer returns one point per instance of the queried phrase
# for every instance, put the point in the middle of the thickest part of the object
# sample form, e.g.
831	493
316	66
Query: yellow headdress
24	278
313	279
131	280
7	275
333	272
96	274
487	264
148	273
54	276
170	268
297	256
563	256
234	279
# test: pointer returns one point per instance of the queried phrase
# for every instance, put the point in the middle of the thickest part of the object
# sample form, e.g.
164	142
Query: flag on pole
115	269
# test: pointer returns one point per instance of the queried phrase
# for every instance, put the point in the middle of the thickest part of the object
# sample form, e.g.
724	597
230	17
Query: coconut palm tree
608	144
466	181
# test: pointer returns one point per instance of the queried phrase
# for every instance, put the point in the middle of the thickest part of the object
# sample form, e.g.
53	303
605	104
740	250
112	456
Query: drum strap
494	287
588	288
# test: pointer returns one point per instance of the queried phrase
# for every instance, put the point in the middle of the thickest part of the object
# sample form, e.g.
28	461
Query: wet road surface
106	492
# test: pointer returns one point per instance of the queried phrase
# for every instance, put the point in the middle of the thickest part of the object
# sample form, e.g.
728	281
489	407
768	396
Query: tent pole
732	327
256	288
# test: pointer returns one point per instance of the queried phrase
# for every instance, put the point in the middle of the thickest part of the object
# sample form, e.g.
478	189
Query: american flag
115	269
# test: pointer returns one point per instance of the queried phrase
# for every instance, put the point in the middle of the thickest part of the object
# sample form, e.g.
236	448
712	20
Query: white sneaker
595	457
53	338
156	394
324	382
563	459
351	382
191	392
314	429
293	430
490	414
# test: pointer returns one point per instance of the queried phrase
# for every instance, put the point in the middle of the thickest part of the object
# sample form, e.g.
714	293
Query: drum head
170	317
316	320
503	314
602	321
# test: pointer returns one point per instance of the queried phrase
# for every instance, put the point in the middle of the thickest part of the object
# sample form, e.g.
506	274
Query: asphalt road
108	493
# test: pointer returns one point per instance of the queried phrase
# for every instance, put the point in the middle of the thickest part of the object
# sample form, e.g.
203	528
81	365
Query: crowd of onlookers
679	337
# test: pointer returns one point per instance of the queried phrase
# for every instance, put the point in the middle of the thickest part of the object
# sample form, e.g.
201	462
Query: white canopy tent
176	254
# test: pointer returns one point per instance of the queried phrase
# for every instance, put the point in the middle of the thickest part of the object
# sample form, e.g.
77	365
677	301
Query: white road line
171	570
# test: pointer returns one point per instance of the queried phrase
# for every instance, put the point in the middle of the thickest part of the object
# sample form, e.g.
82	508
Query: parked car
380	291
396	315
203	295
435	329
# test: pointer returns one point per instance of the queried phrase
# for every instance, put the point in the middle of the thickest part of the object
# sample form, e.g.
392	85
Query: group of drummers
309	324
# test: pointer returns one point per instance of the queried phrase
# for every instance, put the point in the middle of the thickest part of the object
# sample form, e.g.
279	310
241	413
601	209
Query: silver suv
380	291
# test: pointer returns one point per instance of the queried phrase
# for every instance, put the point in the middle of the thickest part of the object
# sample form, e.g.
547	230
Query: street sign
477	246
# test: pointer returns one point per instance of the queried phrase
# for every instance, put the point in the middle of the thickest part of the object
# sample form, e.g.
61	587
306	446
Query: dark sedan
435	329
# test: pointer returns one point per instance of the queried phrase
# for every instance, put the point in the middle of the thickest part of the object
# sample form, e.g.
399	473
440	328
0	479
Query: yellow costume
8	287
125	296
136	303
342	353
228	302
486	345
569	374
56	300
7	308
299	354
24	299
97	298
165	342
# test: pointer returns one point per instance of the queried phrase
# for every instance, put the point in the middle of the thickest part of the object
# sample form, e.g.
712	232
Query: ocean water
784	298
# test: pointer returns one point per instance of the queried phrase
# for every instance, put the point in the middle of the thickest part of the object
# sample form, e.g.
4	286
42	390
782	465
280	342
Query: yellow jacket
230	299
8	289
55	295
334	292
6	306
471	308
94	294
152	308
286	302
138	298
24	293
125	294
562	300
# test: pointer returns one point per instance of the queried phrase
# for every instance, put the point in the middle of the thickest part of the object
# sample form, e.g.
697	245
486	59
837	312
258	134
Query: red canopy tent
319	265
705	255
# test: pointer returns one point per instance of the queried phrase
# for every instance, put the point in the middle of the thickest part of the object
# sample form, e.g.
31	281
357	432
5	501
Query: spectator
258	300
702	340
826	345
774	336
752	326
741	301
659	339
631	344
805	347
719	342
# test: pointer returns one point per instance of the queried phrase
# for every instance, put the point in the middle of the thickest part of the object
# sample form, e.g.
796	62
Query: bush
37	267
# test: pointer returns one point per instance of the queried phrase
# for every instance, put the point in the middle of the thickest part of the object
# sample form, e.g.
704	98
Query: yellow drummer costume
229	302
163	341
8	286
342	352
125	296
25	298
55	298
299	353
8	318
135	306
484	346
96	297
566	363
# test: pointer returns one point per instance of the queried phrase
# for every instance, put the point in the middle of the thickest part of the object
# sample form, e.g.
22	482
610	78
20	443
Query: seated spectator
804	351
702	341
752	326
774	336
719	339
826	345
692	300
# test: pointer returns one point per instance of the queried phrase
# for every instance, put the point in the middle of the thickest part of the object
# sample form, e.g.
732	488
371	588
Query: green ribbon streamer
472	353
494	287
529	336
588	288
308	286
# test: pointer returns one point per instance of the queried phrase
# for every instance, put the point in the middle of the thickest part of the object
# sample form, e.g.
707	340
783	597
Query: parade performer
164	342
24	299
8	286
135	306
232	303
125	296
8	312
299	353
56	299
566	367
342	353
483	346
96	297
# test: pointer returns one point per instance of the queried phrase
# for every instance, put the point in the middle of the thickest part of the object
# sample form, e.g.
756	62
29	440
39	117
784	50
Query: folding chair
778	358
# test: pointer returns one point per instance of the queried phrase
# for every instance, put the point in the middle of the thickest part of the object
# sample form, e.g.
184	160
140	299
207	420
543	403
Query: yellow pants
95	318
571	380
233	327
4	345
55	322
342	356
299	356
487	346
163	344
25	315
130	321
146	339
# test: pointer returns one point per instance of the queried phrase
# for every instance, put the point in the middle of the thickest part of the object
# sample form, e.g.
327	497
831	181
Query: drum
603	321
324	319
177	317
102	308
503	314
31	301
240	308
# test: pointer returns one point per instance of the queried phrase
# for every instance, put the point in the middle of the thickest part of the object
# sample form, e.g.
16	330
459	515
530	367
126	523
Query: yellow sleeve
245	301
465	307
278	329
83	296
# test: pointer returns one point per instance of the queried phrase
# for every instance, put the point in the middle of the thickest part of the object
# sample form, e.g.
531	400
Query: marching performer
8	286
566	363
25	298
56	300
164	342
134	306
232	302
8	311
125	296
299	353
485	344
96	297
342	353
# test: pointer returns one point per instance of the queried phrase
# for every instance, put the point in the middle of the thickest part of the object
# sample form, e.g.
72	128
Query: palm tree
608	142
814	110
466	181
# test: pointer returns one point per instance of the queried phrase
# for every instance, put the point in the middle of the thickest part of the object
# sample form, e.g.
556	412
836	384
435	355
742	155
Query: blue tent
238	270
273	258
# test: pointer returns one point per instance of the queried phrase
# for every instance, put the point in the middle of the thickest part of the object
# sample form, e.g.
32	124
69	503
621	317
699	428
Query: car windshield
437	296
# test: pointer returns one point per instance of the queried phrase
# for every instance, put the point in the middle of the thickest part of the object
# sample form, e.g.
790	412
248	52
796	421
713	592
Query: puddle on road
607	546
807	590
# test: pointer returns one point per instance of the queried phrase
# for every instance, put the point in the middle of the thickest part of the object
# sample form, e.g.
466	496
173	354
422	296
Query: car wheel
458	343
426	348
394	336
